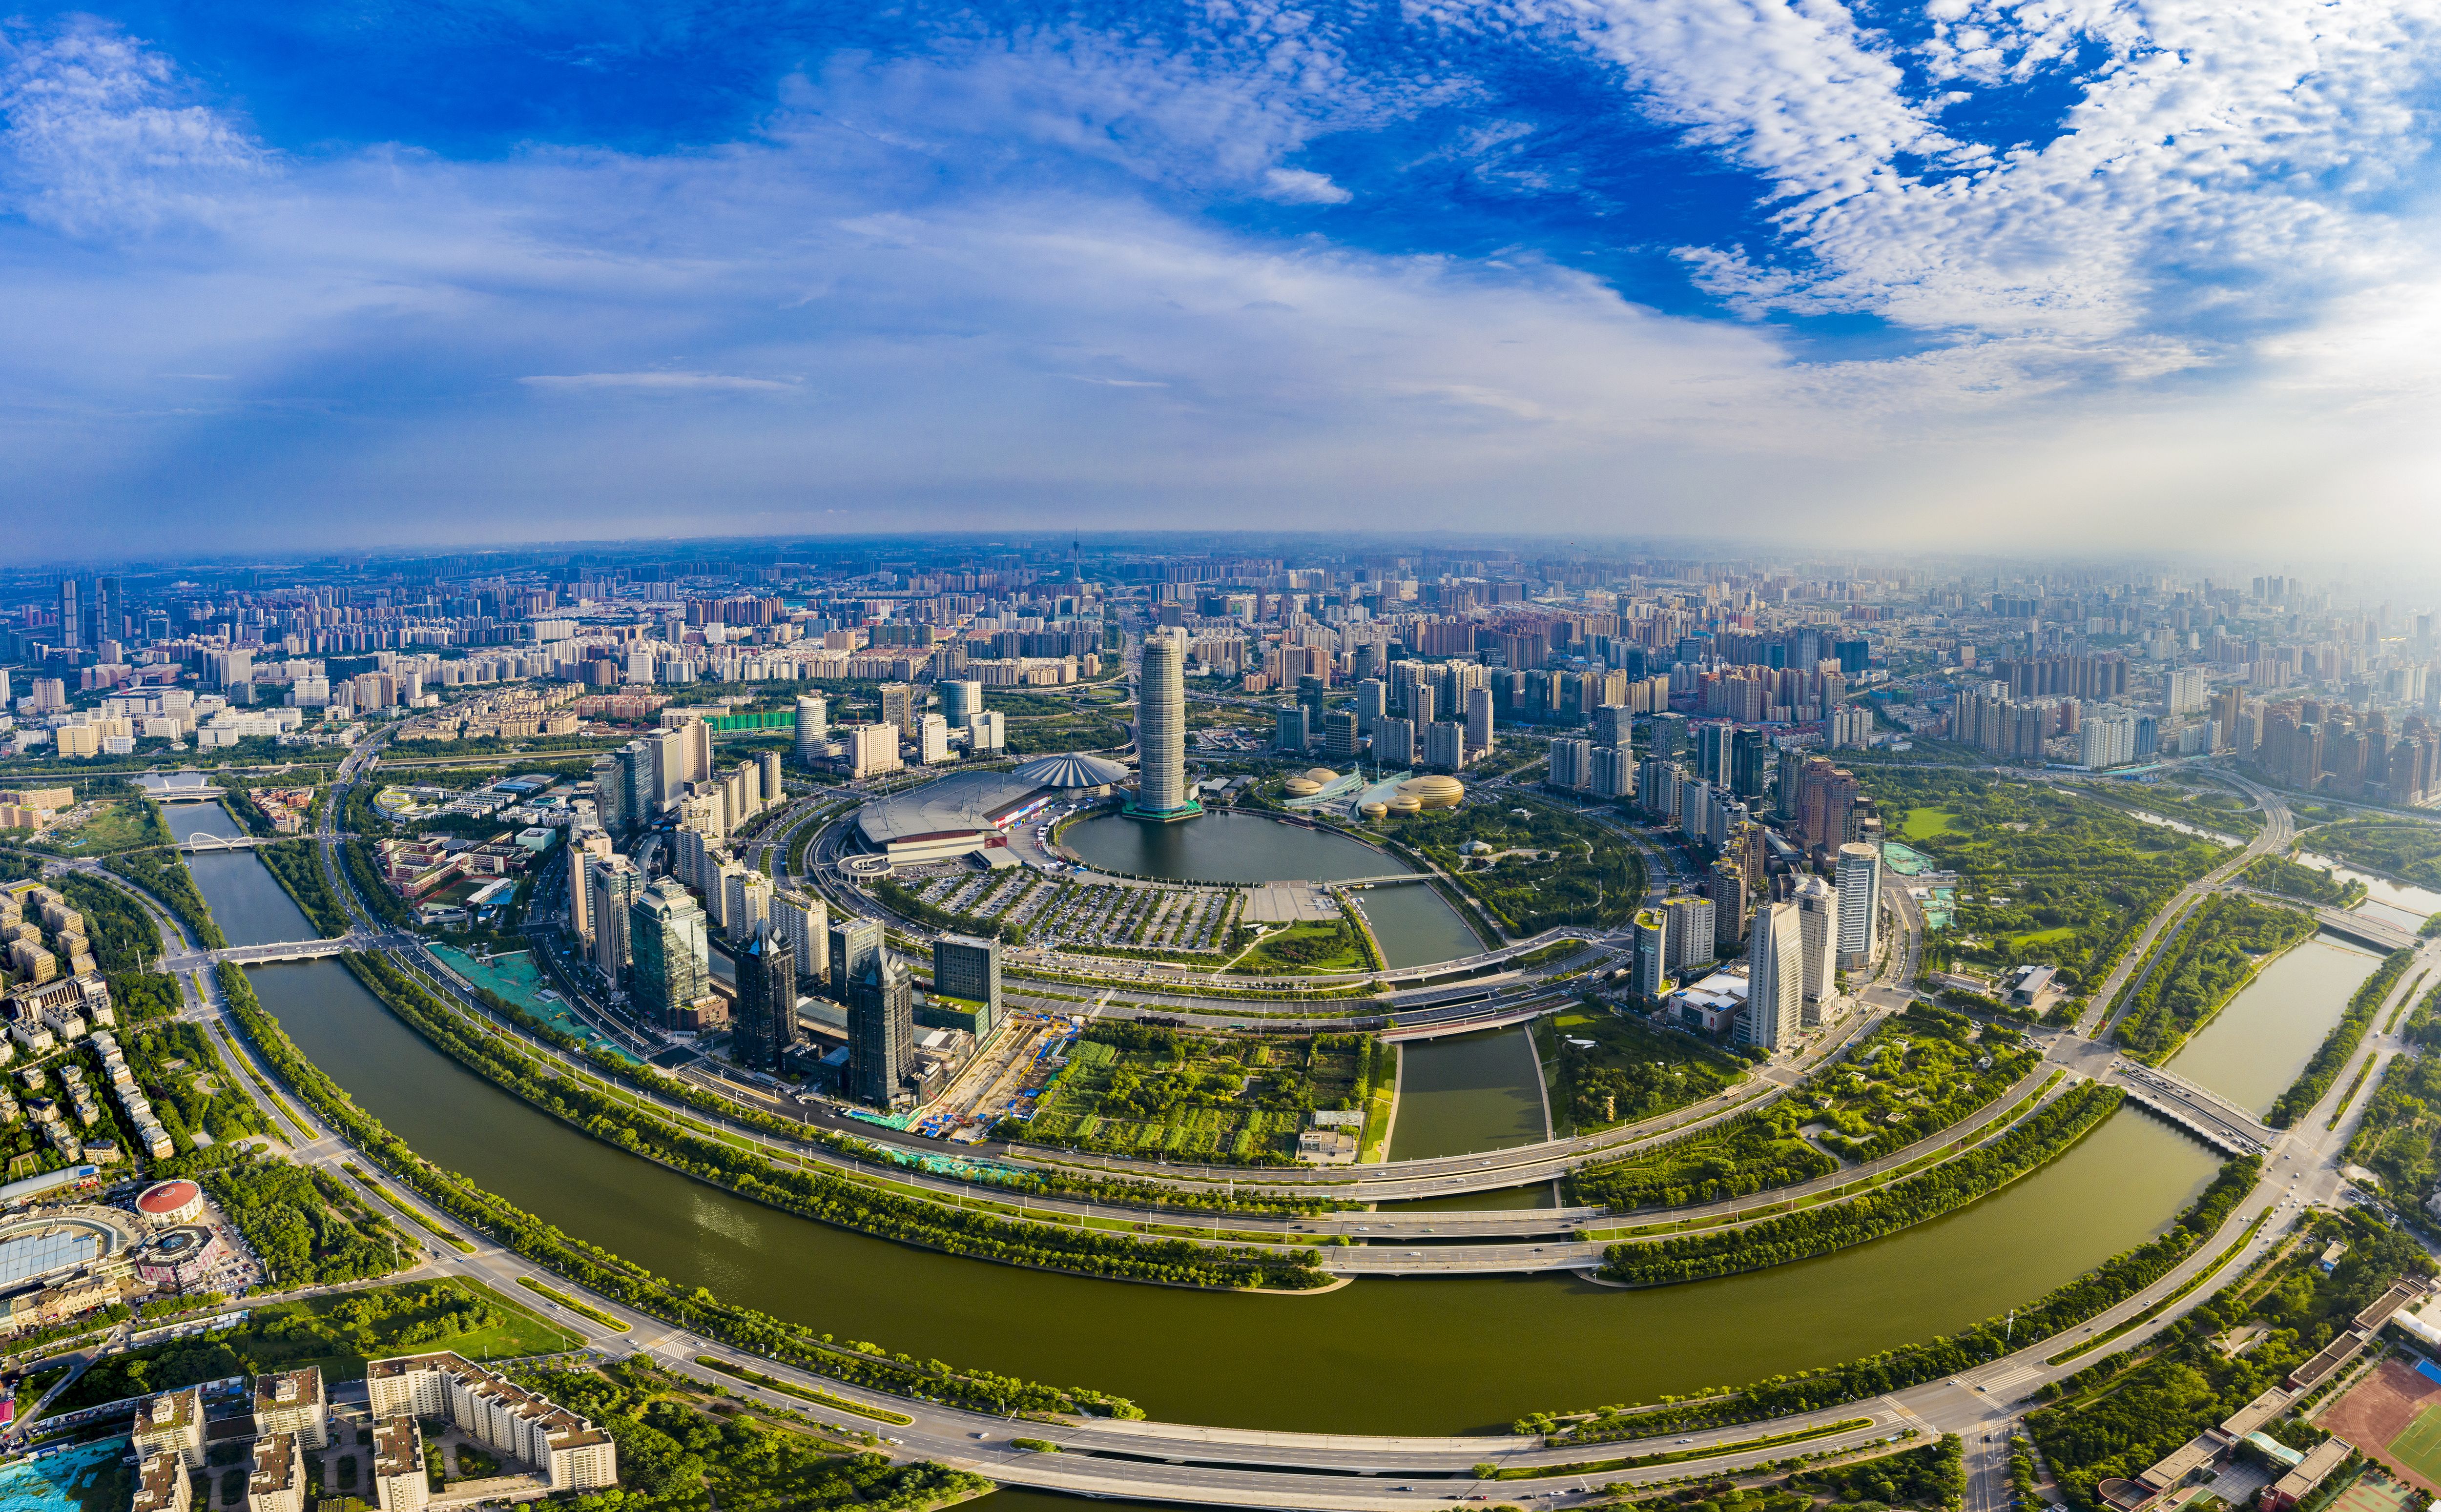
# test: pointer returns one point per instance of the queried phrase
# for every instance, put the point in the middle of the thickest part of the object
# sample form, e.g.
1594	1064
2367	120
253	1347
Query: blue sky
1955	272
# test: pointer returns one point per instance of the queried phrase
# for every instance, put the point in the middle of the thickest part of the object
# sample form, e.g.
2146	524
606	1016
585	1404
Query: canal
2264	1038
1414	924
247	902
1382	1356
2393	902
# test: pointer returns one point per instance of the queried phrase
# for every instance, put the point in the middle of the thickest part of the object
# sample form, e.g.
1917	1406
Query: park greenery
124	824
1099	1186
687	1447
297	865
1924	1071
1927	1479
182	1076
1315	946
2409	850
2219	946
2043	1135
2341	1043
1141	1090
2125	1412
306	1228
2295	879
1540	867
161	873
126	944
855	1361
818	1193
1615	1069
1751	1153
2085	1296
336	1333
2400	1137
2190	799
2046	875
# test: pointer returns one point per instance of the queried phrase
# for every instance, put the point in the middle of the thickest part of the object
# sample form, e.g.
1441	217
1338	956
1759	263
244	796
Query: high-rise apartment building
1394	743
1860	905
1160	732
1775	979
71	616
804	921
1445	745
871	749
1479	720
1571	764
1691	941
1614	725
1650	972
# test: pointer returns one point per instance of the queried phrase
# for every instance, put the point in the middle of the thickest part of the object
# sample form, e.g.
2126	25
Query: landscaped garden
2219	946
1920	1072
2047	874
1615	1069
1531	866
1132	1089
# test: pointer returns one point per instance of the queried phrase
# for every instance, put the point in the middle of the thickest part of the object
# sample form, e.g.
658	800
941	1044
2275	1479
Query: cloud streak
1088	270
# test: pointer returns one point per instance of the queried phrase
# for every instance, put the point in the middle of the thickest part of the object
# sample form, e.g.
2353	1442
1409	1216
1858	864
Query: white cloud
406	338
656	381
2211	150
1297	186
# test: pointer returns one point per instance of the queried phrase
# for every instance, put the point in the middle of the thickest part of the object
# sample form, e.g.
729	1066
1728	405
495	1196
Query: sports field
2394	1415
2418	1450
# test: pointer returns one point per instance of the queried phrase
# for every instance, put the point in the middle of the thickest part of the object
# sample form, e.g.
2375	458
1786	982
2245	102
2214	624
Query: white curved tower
1160	732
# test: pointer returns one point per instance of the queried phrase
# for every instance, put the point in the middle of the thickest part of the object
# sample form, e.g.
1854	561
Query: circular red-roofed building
172	1202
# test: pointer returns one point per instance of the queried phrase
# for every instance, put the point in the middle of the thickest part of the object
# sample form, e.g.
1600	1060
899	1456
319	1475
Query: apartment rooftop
565	1428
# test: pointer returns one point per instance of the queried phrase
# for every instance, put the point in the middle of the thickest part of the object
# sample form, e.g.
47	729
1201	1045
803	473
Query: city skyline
1941	278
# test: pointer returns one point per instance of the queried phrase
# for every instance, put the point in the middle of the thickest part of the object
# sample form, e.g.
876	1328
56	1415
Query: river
247	902
2396	903
1414	925
2257	1046
1382	1356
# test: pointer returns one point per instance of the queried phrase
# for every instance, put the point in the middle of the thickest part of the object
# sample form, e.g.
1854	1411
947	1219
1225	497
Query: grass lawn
514	1329
2042	937
338	1333
120	827
1924	823
1320	947
1631	1070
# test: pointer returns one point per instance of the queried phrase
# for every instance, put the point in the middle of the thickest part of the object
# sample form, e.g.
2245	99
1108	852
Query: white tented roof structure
1071	770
